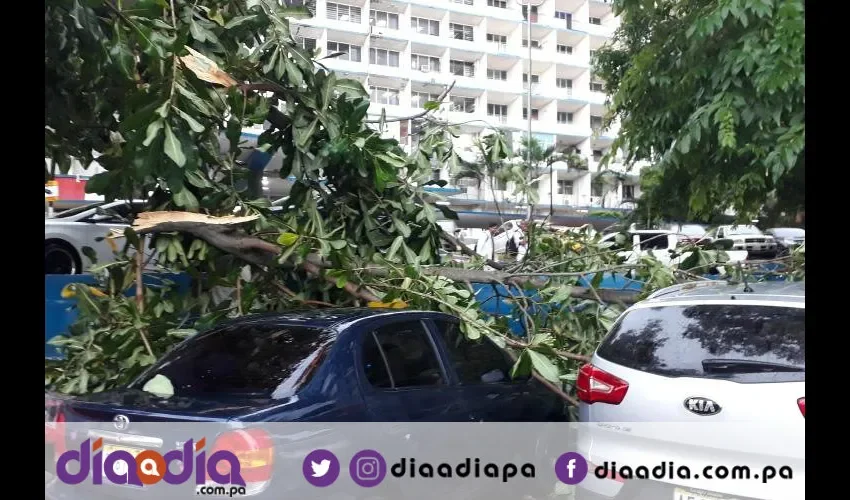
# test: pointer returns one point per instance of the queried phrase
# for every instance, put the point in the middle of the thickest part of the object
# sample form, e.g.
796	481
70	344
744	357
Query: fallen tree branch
468	251
440	99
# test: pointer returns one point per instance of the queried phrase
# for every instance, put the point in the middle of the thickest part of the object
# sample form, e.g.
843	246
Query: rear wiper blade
747	366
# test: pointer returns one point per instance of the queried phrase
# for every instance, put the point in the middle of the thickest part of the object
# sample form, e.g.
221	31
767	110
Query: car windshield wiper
747	366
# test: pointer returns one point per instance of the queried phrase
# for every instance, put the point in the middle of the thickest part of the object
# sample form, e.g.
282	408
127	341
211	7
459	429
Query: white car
746	237
658	243
699	374
66	233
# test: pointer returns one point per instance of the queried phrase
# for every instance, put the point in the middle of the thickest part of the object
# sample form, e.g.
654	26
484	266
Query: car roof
335	319
773	291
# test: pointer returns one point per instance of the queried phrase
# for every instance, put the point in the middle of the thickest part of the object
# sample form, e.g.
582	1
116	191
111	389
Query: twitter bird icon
320	468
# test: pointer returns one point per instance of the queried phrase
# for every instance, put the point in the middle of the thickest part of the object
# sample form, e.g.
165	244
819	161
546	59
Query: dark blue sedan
344	365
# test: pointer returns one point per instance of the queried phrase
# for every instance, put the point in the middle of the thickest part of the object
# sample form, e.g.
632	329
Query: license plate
109	448
685	494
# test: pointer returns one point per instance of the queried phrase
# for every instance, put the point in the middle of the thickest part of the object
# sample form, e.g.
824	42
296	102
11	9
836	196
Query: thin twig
440	99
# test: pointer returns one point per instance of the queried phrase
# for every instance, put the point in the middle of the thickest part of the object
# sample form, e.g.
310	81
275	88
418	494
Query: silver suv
710	353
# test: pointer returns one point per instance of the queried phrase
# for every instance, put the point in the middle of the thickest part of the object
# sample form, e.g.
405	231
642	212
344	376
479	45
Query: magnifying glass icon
148	467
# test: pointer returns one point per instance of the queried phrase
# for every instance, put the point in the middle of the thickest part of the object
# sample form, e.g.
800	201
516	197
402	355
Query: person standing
521	237
485	246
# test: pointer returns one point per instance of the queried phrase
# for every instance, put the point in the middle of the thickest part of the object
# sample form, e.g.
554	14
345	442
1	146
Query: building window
461	32
596	188
425	63
425	26
628	192
563	83
497	74
383	57
565	117
533	13
535	44
342	12
498	112
592	54
383	95
502	4
501	184
564	49
534	78
597	87
565	187
595	122
418	99
462	104
306	43
462	68
595	20
535	113
463	2
566	16
349	52
383	19
597	154
501	41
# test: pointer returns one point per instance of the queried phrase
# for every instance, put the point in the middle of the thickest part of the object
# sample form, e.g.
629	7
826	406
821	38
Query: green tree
712	92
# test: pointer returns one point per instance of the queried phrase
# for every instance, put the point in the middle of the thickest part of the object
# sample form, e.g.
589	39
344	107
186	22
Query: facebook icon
571	468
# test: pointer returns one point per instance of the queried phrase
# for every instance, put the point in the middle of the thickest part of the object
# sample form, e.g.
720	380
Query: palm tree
492	151
535	161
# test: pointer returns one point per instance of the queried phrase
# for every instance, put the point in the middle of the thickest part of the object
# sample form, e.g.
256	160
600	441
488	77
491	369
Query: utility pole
528	4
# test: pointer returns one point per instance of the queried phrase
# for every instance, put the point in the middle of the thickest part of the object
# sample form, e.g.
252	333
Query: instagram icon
367	468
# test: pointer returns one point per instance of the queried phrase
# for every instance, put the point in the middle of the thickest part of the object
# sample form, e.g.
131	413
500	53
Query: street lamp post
528	4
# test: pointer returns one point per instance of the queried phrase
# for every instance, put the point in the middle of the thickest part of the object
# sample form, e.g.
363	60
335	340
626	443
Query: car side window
719	233
401	355
475	361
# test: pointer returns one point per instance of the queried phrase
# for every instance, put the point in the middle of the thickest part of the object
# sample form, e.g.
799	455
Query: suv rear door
671	352
719	361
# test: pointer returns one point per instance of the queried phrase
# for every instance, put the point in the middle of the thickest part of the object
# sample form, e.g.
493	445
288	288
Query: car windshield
789	232
691	230
743	230
268	361
76	211
694	340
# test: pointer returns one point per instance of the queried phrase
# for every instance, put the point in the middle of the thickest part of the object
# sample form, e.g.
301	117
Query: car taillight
598	386
54	425
802	404
253	448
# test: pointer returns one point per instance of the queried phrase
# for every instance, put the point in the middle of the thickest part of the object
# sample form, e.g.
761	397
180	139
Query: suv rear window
267	361
678	340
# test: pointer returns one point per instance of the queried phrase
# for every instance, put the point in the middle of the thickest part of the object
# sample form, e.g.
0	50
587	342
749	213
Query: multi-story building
407	52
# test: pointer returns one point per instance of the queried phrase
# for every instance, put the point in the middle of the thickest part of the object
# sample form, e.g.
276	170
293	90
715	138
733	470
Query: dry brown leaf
206	69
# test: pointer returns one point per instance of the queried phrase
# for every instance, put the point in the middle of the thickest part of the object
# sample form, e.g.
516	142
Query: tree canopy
712	94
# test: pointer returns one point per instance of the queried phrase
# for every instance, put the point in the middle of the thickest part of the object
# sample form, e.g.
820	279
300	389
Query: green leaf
184	198
173	148
394	248
193	123
160	386
353	88
544	366
153	132
431	106
401	227
338	244
239	20
287	239
522	366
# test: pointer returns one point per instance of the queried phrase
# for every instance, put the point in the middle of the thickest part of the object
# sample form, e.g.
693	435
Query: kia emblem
121	422
702	406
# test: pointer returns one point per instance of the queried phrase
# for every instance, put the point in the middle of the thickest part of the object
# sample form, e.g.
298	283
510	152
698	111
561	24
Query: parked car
710	353
660	242
66	233
333	365
688	233
787	238
745	237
